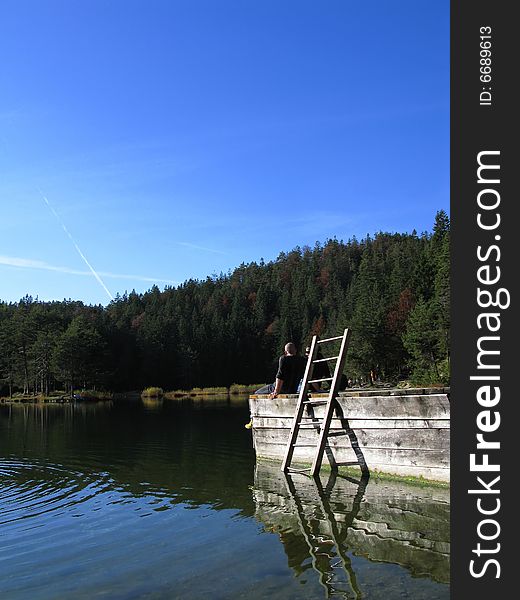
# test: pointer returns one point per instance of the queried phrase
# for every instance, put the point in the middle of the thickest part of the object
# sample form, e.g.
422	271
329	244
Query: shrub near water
174	394
209	391
93	395
152	392
240	388
197	392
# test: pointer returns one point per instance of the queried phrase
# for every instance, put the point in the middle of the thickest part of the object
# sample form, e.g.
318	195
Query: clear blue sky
179	138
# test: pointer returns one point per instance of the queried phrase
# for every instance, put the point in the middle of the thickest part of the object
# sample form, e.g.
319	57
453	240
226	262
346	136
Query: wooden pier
404	432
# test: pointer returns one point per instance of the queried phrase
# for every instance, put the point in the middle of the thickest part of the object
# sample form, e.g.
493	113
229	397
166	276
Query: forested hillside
391	289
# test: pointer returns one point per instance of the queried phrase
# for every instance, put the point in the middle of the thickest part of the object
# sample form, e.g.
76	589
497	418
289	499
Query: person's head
318	352
290	349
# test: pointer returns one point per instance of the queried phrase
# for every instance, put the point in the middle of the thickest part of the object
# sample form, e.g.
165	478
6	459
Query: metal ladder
304	401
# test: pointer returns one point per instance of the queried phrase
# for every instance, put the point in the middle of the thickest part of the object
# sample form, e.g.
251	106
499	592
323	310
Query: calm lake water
164	500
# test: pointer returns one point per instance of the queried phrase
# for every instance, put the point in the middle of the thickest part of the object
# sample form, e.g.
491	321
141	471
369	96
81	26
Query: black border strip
478	127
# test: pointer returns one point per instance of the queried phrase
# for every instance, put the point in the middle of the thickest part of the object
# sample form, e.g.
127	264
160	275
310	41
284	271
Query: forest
391	289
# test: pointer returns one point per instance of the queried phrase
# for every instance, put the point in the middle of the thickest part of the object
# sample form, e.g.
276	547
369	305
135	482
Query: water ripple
34	489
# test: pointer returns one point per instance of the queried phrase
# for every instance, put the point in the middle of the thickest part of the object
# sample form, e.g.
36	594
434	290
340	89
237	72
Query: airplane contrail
92	270
29	263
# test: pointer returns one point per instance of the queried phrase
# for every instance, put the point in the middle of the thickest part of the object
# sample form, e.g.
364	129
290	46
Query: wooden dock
394	431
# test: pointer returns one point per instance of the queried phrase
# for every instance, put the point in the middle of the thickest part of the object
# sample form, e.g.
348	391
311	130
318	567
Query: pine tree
392	290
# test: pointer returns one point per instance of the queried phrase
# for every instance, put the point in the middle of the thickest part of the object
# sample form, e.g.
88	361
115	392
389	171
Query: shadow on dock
345	430
325	527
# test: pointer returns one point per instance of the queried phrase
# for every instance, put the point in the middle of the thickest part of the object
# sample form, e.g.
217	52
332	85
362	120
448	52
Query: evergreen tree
392	290
78	354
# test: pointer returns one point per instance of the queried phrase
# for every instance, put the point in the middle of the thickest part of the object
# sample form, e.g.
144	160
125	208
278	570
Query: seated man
321	370
291	368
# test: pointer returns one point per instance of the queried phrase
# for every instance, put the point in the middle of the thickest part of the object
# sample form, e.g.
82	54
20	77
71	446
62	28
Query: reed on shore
59	396
197	391
234	390
241	388
152	392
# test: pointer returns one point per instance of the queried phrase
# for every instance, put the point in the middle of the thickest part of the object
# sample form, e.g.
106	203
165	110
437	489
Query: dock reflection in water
329	529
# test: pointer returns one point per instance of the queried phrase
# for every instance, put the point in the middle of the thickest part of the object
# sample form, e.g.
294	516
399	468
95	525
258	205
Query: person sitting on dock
321	370
291	368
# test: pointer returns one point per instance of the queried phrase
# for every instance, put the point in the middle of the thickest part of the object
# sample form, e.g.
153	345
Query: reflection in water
138	500
123	500
153	403
347	518
332	562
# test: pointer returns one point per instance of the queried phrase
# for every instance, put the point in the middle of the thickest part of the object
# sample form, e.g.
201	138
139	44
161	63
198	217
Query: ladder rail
289	451
308	536
329	409
328	513
326	573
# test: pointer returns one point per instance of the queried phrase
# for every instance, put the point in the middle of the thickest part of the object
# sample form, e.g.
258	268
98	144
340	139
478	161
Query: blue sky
154	141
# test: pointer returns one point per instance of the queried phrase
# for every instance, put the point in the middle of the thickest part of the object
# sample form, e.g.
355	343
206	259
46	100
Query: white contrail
29	263
77	247
196	247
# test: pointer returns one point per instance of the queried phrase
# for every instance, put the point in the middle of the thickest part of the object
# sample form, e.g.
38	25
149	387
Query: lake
164	500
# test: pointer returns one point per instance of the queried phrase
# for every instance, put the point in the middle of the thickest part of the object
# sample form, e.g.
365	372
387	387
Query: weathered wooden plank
394	392
275	422
365	392
398	407
431	501
429	473
431	439
373	456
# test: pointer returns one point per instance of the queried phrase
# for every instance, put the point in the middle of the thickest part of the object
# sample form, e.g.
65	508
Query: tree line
393	290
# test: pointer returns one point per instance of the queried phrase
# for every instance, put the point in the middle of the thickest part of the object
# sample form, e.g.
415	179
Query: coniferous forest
393	290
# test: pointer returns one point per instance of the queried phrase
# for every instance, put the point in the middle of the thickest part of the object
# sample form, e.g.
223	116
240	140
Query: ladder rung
293	470
336	433
333	339
310	425
318	380
315	402
325	359
346	464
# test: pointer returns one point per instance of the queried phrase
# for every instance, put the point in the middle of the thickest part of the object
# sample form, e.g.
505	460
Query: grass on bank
235	389
59	396
198	392
240	388
152	392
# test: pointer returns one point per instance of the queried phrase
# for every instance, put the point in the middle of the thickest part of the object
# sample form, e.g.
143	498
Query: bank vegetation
392	289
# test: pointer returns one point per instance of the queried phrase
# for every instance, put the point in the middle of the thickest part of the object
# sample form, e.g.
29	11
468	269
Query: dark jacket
291	369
